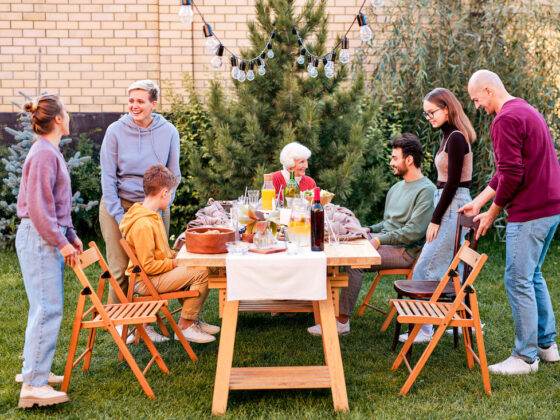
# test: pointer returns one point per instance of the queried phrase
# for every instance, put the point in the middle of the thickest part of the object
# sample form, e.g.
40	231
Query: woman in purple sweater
45	241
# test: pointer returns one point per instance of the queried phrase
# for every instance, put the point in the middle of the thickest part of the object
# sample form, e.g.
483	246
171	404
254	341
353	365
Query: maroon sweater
527	179
45	195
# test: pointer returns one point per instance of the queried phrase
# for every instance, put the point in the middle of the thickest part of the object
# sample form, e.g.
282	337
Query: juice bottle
268	193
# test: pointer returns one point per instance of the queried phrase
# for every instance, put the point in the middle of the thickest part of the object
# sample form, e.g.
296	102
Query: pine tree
13	165
248	129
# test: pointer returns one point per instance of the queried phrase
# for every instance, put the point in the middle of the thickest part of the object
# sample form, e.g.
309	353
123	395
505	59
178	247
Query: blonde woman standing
45	240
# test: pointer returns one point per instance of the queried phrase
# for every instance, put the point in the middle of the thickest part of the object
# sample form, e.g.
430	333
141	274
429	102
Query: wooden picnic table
355	254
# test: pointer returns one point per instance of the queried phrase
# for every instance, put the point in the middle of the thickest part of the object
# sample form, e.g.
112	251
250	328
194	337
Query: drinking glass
253	196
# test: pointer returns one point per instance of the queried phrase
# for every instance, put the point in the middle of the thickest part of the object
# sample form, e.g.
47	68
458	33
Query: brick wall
93	49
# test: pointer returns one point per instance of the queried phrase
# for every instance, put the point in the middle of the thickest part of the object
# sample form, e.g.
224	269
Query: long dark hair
444	98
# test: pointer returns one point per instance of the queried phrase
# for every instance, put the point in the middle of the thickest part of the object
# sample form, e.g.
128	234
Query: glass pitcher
299	229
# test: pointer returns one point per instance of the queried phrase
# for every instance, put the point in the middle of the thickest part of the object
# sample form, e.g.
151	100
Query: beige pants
181	278
116	257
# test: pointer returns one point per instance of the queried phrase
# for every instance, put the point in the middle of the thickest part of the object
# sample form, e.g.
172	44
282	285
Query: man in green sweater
399	237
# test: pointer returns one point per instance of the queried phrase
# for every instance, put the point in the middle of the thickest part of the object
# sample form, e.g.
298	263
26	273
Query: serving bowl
208	239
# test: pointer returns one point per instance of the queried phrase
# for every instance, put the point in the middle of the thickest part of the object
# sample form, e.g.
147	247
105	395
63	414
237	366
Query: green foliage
191	121
440	43
85	181
247	130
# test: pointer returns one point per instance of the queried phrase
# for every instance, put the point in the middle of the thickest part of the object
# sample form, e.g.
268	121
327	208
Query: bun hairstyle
43	111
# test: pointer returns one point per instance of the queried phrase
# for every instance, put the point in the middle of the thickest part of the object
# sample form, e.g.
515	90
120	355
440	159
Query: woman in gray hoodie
132	144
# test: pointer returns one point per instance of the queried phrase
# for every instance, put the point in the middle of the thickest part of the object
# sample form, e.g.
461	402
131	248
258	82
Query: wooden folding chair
108	317
138	270
424	289
444	315
389	272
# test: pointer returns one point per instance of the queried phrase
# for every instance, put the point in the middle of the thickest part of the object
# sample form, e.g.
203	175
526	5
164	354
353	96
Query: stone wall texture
91	50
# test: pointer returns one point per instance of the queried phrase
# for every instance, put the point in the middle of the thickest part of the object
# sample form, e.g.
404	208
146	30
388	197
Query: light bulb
365	33
301	59
270	54
313	73
344	56
216	62
250	75
329	74
262	70
186	14
310	67
211	44
329	66
234	73
241	76
377	3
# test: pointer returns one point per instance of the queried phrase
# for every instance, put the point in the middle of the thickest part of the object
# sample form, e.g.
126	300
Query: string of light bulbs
215	46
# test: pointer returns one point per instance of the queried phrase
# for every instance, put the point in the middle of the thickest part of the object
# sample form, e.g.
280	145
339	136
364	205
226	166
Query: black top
456	147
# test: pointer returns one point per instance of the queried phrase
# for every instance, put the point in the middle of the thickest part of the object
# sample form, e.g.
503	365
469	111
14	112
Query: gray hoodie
127	151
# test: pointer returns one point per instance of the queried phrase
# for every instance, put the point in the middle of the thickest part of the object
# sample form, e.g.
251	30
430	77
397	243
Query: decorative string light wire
328	59
214	45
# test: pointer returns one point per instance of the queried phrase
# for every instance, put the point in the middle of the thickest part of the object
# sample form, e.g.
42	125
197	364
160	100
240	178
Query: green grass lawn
445	388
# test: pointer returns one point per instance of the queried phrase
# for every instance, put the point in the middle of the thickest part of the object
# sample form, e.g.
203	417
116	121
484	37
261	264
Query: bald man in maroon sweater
527	185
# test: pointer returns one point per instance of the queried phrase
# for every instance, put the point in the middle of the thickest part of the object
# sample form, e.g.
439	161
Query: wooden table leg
332	355
225	357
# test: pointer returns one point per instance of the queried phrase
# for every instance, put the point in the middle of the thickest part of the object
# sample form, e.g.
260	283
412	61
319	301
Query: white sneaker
131	337
460	330
195	334
40	395
514	366
154	336
53	379
207	328
550	354
421	337
342	329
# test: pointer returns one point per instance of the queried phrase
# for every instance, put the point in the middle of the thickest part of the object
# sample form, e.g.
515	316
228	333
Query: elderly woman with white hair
136	141
293	157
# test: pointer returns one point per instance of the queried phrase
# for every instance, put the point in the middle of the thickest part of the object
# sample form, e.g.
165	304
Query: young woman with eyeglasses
454	163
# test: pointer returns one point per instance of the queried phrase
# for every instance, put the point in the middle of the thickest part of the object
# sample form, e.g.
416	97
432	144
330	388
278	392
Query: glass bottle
268	193
291	190
317	223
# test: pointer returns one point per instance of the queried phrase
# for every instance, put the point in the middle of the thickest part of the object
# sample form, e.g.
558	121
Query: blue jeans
526	247
42	267
437	255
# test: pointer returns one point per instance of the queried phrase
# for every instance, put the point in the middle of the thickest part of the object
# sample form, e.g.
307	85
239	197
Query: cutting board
267	250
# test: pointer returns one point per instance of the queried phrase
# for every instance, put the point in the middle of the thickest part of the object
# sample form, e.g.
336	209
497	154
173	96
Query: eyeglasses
430	115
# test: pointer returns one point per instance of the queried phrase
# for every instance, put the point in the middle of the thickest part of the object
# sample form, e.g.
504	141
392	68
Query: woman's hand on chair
70	254
432	232
78	245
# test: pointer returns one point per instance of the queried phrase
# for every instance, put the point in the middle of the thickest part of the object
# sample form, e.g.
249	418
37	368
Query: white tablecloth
277	276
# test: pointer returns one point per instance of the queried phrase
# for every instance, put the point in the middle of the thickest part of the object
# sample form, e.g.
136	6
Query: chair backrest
88	258
137	270
466	222
471	259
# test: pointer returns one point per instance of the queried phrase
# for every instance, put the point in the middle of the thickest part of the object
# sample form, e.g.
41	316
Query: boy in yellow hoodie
143	228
